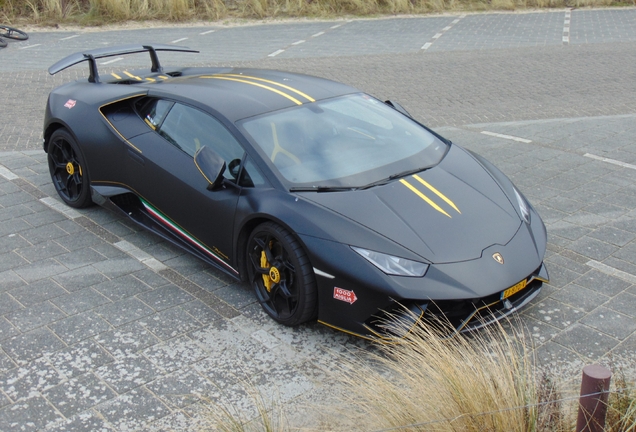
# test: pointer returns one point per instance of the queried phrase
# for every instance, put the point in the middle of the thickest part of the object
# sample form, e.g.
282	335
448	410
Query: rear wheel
13	33
281	275
3	43
68	170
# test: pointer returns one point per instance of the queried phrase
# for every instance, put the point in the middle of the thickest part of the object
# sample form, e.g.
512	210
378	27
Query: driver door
164	174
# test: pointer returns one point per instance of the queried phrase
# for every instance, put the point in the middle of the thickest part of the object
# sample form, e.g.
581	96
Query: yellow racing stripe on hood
424	197
436	192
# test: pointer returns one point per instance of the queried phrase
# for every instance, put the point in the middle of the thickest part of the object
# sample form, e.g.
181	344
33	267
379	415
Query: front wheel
281	275
68	171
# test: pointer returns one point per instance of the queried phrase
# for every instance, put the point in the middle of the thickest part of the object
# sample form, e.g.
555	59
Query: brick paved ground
105	327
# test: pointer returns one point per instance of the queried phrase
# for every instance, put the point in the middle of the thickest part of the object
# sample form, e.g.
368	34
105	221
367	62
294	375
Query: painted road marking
29	46
299	42
61	207
141	256
318	34
566	27
612	161
427	45
508	137
179	40
112	61
275	53
604	268
70	37
207	32
6	173
336	26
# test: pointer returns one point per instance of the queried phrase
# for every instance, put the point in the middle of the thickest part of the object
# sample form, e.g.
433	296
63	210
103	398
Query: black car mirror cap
211	166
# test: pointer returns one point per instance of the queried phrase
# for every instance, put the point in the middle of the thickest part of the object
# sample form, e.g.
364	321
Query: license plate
513	289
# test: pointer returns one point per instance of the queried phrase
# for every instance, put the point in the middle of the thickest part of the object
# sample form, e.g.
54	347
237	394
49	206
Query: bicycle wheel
13	33
3	43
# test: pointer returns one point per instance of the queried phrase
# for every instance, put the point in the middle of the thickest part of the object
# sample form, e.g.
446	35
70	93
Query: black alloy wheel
67	169
281	275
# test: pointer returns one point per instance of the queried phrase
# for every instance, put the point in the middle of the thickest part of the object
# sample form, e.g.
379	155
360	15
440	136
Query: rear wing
91	57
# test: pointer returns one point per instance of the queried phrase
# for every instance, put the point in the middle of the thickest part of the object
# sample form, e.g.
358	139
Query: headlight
392	265
524	208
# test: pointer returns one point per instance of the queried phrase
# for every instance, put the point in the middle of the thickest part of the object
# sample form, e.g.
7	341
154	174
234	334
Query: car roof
242	93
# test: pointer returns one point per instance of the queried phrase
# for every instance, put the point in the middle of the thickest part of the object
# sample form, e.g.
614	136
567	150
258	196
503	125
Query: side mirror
398	107
211	166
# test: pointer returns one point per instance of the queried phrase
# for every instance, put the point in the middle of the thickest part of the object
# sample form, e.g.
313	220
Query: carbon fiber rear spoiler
92	55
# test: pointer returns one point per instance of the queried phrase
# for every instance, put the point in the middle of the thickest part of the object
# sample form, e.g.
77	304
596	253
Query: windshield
349	141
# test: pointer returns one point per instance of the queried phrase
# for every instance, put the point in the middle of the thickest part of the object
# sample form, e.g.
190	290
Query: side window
153	111
251	176
190	129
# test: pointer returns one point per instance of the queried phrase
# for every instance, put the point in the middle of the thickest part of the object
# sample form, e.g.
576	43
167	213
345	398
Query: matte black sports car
330	203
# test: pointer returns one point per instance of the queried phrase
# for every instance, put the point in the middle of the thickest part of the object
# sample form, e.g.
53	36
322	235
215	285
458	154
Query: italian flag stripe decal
165	221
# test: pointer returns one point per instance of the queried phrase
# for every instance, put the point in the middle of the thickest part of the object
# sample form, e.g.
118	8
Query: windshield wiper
322	189
394	177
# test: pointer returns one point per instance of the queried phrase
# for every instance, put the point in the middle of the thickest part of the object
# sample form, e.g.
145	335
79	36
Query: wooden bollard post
593	401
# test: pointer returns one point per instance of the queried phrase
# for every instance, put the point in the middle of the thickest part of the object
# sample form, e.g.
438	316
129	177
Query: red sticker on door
70	103
344	295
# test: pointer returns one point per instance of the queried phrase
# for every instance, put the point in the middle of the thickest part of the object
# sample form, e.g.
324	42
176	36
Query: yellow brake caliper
274	274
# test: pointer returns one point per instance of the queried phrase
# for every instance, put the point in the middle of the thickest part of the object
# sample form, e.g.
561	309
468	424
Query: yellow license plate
513	289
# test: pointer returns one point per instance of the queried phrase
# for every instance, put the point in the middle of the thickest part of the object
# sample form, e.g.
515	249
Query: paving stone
80	301
124	311
83	422
183	388
40	270
165	297
592	248
554	313
35	316
12	242
5	363
128	373
11	260
615	324
6	329
28	346
126	340
8	304
605	284
150	278
580	298
36	376
80	258
613	235
133	410
121	288
80	278
175	354
27	415
79	327
237	295
624	303
118	267
586	341
37	292
80	358
170	323
9	280
79	394
201	312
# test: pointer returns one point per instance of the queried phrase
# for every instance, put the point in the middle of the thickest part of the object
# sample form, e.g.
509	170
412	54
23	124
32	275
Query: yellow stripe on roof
291	98
424	197
150	79
298	92
115	75
438	193
133	76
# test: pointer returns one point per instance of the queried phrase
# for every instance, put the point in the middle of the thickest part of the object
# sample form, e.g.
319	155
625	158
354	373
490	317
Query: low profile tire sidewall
305	282
84	198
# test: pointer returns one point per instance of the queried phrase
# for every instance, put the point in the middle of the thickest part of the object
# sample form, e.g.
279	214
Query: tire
280	273
68	170
3	43
13	33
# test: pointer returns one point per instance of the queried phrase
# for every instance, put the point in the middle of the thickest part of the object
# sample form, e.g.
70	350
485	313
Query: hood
448	213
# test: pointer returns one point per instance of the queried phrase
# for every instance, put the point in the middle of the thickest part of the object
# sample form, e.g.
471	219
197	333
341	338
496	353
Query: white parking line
318	34
60	207
139	255
299	42
112	61
336	26
207	32
29	46
179	40
70	37
604	268
611	161
508	137
566	27
427	45
6	173
275	53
